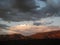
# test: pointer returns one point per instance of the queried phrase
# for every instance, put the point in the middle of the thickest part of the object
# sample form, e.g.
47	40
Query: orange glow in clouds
28	30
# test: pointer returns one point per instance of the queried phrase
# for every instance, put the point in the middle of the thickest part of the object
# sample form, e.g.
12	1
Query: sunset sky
12	19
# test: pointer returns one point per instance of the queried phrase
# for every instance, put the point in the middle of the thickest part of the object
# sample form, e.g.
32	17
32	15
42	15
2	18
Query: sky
56	22
42	4
43	21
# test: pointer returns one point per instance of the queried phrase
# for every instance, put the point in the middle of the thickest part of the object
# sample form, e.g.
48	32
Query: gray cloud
14	13
3	26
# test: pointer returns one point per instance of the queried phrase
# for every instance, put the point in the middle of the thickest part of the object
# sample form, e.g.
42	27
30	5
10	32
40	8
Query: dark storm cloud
45	23
25	5
43	0
8	10
3	26
9	14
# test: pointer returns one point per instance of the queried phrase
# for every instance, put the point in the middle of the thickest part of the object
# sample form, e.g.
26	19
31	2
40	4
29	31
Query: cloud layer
21	10
28	30
12	13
